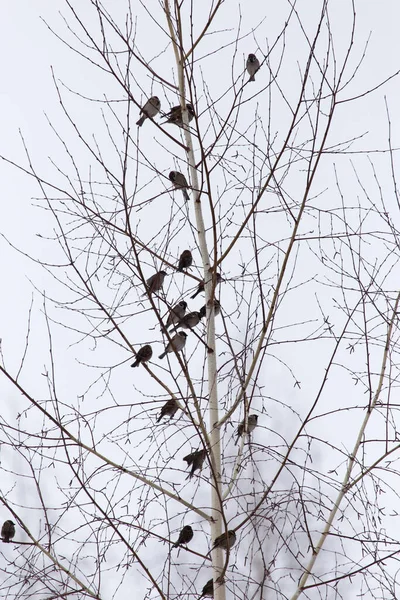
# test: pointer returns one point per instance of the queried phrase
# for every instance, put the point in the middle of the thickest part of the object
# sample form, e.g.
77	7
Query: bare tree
220	228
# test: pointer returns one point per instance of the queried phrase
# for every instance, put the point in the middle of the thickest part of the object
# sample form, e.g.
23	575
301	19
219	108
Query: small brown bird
176	313
144	354
195	459
169	409
149	110
185	260
185	536
189	321
176	344
252	66
217	309
208	589
175	115
225	540
200	287
7	531
251	425
155	282
180	183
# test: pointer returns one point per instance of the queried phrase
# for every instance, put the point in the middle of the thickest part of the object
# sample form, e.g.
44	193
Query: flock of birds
178	318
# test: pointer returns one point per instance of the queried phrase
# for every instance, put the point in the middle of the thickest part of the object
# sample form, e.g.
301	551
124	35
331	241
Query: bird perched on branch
195	459
7	531
225	541
217	309
155	282
185	536
251	425
169	409
144	355
200	287
208	589
189	321
176	314
176	344
180	183
149	110
175	115
252	66
185	260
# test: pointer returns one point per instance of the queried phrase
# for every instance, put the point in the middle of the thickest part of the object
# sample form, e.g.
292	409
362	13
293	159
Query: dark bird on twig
189	321
180	182
208	589
225	540
176	314
176	344
195	459
185	536
252	66
251	425
169	409
155	282
7	531
185	260
144	354
217	309
175	115
200	287
149	110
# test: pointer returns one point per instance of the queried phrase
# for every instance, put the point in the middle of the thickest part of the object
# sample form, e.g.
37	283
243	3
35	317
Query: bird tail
141	121
252	78
135	364
185	195
195	294
162	355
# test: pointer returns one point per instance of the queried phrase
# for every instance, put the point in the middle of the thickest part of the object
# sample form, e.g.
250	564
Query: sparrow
252	66
189	321
176	313
144	354
149	110
251	425
175	114
200	287
176	344
185	260
208	589
217	309
195	459
225	540
169	408
155	282
7	531
180	183
185	536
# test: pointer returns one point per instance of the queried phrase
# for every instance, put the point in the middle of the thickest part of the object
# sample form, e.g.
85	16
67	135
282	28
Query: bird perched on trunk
7	531
144	354
185	536
251	425
225	541
200	287
155	282
176	313
149	110
180	183
208	589
185	260
195	459
169	409
189	321
252	66
217	309
176	344
175	114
